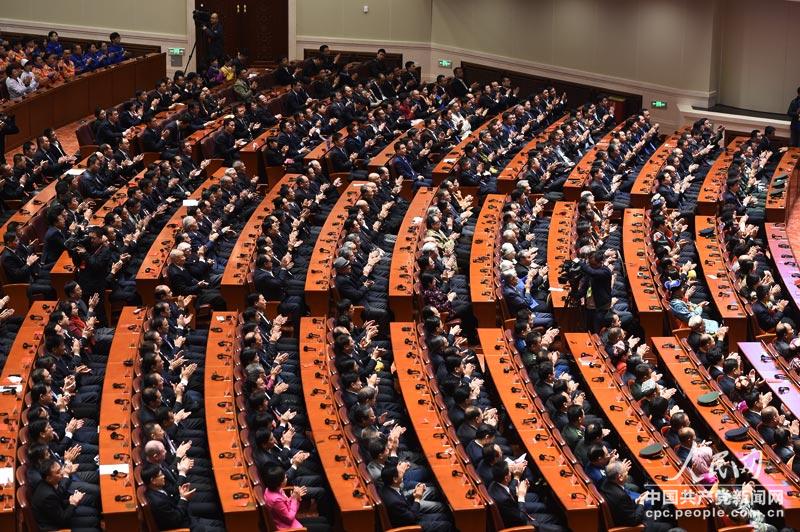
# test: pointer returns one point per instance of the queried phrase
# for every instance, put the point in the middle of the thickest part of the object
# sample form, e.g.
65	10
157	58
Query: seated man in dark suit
20	266
624	511
55	509
225	145
184	283
374	307
403	512
509	495
171	512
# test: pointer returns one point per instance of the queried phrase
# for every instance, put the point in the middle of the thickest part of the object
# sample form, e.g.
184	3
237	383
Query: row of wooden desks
402	272
430	425
483	273
647	179
118	491
236	277
635	431
543	443
783	186
319	279
714	183
641	278
577	180
155	263
231	477
718	279
784	259
317	372
694	381
508	176
14	382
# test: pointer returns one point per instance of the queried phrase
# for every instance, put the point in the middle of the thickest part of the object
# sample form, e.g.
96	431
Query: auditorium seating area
355	300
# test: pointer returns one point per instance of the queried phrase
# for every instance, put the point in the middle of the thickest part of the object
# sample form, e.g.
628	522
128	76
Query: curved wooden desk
154	264
543	442
403	269
118	492
236	277
646	180
231	476
578	177
560	243
319	280
483	273
14	381
347	486
718	279
785	261
714	183
640	277
782	196
429	423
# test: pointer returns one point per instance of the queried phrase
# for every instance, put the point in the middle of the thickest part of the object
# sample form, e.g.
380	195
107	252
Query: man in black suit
8	126
54	237
54	508
296	99
110	131
458	87
153	140
794	116
215	38
509	495
403	512
169	511
272	284
20	266
624	511
184	283
225	145
348	287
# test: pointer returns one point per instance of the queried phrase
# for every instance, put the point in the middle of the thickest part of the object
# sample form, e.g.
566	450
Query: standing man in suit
794	116
403	512
215	38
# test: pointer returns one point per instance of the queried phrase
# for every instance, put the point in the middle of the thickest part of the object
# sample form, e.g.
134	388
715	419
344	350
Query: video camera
202	17
571	274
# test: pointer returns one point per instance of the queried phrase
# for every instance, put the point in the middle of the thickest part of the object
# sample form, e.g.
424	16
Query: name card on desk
114	469
6	475
75	171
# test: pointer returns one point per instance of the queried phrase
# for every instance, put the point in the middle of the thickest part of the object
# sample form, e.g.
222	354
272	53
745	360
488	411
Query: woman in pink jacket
283	508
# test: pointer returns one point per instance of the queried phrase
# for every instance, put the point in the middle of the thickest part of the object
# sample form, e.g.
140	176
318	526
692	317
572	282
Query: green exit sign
445	63
658	104
176	51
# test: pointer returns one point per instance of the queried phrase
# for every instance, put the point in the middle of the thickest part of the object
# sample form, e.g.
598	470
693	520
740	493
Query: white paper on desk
11	390
108	469
712	276
220	318
75	171
14	379
556	289
449	160
190	203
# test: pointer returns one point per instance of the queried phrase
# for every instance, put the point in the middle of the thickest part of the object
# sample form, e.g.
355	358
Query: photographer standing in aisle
215	38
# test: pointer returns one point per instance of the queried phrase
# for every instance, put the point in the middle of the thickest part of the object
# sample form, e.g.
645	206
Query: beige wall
389	20
664	42
135	15
759	54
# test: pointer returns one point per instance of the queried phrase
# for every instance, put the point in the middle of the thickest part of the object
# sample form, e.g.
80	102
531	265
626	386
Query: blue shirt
54	48
116	53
